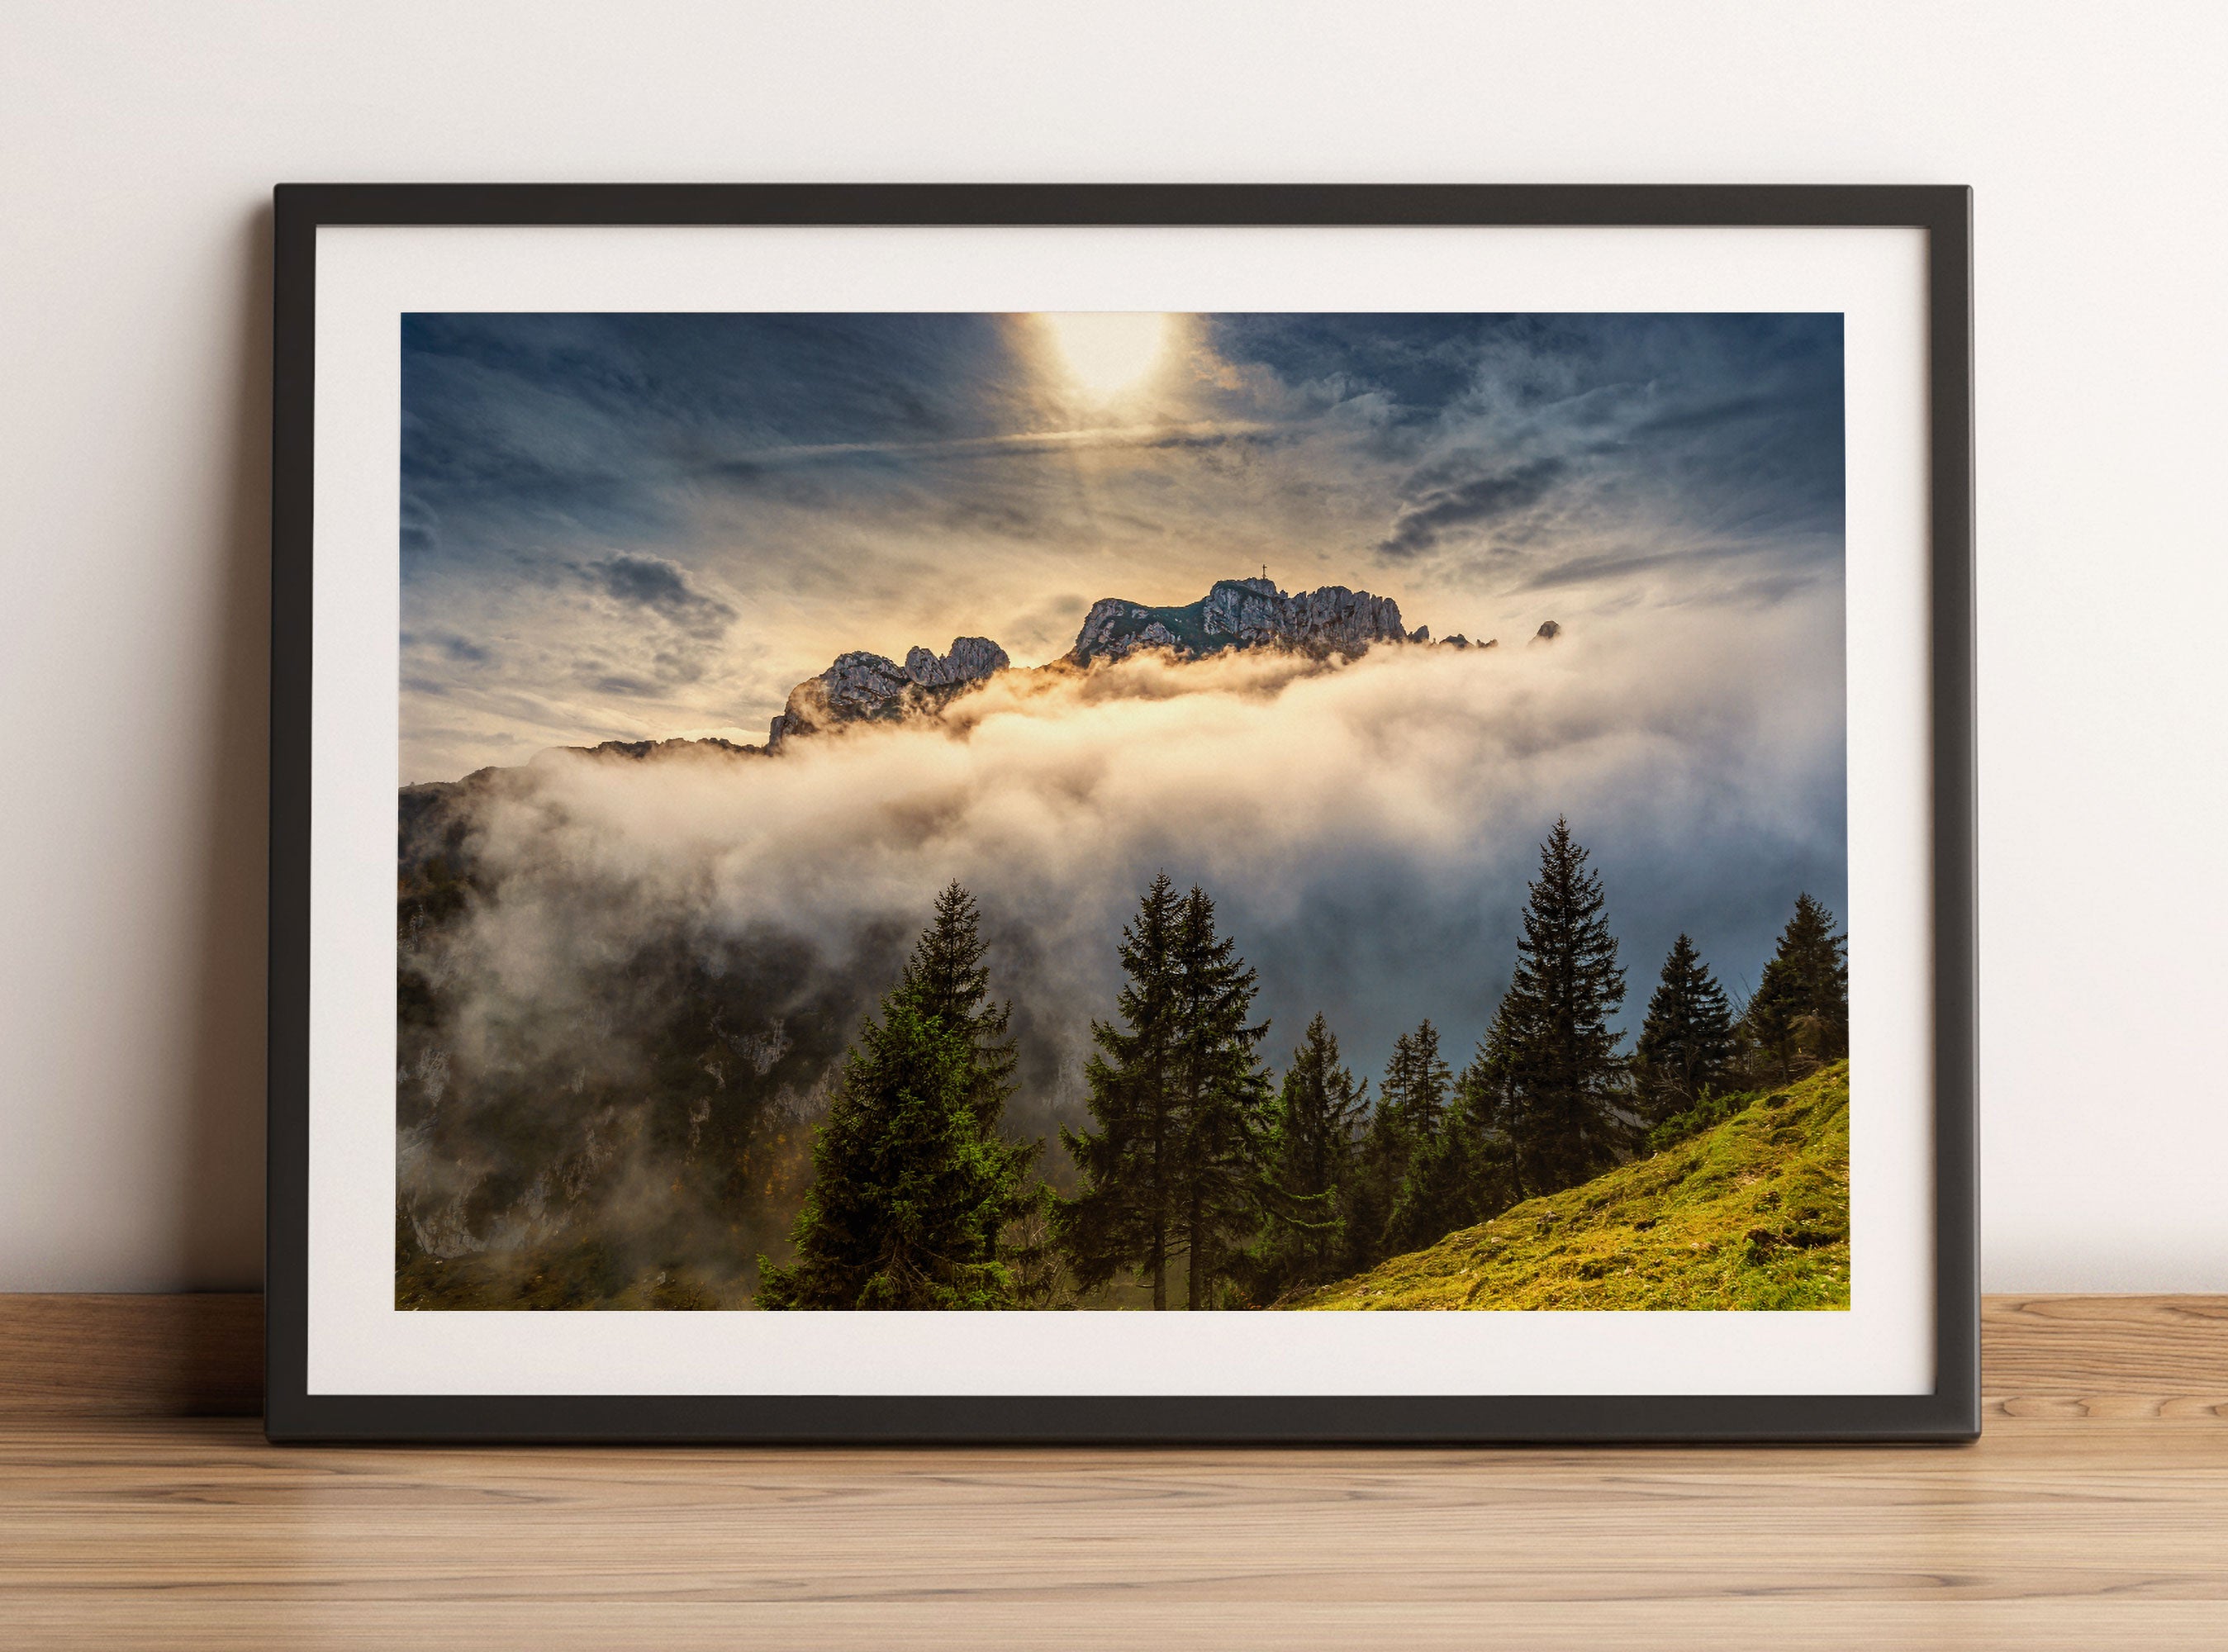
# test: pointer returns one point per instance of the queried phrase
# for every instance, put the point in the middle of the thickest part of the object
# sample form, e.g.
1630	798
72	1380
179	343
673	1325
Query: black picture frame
1951	1411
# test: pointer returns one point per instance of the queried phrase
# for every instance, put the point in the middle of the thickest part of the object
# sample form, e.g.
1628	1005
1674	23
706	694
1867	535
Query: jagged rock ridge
1242	613
1234	614
868	687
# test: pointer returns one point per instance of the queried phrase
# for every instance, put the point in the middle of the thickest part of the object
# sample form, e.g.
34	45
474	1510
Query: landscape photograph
1122	812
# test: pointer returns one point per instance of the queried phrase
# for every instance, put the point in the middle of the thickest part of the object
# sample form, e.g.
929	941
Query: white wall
138	145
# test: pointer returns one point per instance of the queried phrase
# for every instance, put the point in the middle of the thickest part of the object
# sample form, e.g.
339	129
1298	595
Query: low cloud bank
1366	828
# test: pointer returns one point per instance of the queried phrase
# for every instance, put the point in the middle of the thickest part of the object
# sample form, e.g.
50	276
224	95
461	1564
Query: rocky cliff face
971	659
1244	614
868	688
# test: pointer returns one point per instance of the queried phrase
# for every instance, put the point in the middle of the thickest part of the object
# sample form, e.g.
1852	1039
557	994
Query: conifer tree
1686	1039
1312	1131
1221	1099
910	1193
945	977
1414	1092
1412	1100
1799	1017
1365	1202
1450	1183
1457	1173
1125	1214
1180	1102
1548	1076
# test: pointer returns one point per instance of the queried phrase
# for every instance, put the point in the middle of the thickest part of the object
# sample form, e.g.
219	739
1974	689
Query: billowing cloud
1366	829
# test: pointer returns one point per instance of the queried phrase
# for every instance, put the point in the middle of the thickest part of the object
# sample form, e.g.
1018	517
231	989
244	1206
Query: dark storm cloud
1479	503
652	582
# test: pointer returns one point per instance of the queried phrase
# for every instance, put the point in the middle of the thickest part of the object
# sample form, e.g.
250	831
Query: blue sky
636	525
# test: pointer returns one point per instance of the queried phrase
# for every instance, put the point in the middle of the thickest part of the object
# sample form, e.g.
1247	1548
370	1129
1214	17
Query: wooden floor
2093	1513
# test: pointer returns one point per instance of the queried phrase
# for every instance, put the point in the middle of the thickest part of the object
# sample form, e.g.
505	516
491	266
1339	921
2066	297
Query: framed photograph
1153	814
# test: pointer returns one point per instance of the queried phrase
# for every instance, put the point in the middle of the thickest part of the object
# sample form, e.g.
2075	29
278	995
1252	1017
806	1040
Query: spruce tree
1414	1092
1312	1130
1451	1182
1799	1018
1125	1213
909	1193
1364	1203
946	977
1686	1039
1457	1169
1181	1104
1411	1101
1222	1095
1548	1075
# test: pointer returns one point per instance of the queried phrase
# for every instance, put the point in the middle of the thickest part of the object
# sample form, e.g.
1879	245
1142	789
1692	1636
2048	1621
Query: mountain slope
1753	1213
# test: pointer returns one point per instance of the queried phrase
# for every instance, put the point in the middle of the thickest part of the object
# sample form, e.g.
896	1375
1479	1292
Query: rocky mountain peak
971	659
1242	613
861	687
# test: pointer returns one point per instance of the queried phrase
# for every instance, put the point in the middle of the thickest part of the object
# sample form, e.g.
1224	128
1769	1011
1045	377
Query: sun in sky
1108	351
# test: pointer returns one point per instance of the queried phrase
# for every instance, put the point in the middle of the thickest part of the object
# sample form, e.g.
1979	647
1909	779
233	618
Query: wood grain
198	1355
2105	1356
2076	1522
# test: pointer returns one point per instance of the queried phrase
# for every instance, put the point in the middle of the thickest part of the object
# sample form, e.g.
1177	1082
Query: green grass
1752	1213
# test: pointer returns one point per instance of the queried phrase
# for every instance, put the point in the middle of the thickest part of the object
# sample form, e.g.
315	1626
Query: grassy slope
1752	1213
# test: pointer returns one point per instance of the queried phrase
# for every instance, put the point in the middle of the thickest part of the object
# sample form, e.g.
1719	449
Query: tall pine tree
1125	1213
945	977
1460	1176
1175	1165
1414	1093
1548	1074
1457	1172
912	1187
1411	1101
1313	1123
1799	1018
1222	1095
1686	1039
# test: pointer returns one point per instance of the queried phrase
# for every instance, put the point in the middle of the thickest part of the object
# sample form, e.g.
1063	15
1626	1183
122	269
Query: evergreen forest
1207	1178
